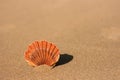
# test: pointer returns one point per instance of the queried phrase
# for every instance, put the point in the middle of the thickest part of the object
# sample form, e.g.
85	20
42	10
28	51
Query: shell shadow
64	58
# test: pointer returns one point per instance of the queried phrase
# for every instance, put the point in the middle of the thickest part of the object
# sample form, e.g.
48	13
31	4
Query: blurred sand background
89	30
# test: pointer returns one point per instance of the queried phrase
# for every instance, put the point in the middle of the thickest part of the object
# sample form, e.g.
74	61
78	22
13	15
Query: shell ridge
44	48
49	52
53	51
43	52
40	49
36	53
32	57
37	43
36	58
56	54
36	49
46	52
49	48
27	53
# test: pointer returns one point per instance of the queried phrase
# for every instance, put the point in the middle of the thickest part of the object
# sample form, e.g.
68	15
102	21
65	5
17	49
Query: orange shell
42	52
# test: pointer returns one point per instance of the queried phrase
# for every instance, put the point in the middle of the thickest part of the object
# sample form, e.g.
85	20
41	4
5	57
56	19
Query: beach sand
87	30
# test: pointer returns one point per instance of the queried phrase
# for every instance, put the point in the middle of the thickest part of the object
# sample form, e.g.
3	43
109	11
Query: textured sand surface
89	30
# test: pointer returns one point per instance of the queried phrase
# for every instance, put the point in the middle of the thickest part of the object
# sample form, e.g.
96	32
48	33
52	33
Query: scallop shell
42	52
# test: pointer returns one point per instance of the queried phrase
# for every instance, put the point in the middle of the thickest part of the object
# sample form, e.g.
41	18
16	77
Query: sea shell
42	52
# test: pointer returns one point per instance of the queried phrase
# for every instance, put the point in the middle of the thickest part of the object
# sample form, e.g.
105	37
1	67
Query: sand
86	30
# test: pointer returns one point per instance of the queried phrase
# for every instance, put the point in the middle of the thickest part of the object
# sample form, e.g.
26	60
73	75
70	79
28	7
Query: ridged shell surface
42	52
